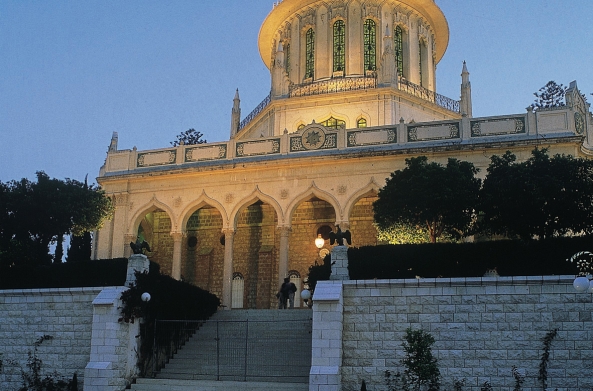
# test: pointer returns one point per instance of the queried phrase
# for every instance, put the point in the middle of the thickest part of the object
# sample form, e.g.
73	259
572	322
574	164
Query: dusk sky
73	72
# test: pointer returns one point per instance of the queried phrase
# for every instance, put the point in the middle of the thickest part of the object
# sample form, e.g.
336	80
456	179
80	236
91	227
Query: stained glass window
310	54
361	123
420	62
370	45
334	123
287	57
398	36
339	45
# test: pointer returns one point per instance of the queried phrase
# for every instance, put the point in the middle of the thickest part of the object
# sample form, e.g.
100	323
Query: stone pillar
283	255
339	260
176	267
136	263
128	238
227	271
326	352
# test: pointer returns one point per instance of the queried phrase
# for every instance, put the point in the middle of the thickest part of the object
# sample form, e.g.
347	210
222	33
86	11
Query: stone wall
26	315
482	328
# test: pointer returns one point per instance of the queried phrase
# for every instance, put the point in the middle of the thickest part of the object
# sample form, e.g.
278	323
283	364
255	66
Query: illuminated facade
352	96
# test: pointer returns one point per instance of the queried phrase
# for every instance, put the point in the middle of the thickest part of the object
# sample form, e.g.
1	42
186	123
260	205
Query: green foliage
440	198
170	300
189	137
106	272
80	248
545	359
35	214
458	384
510	258
319	272
550	95
421	366
402	233
33	380
540	198
519	378
486	386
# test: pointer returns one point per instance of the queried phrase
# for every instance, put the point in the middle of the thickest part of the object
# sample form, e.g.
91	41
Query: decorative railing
333	85
256	111
428	95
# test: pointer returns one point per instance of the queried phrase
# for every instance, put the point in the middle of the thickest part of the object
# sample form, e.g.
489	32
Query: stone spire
465	105
388	72
236	114
113	143
279	77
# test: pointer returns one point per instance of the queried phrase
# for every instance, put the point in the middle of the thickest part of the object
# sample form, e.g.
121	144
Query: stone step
212	385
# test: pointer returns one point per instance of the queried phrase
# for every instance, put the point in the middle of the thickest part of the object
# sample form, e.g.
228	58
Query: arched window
310	54
287	58
334	123
398	36
370	45
301	126
339	46
361	123
237	289
422	59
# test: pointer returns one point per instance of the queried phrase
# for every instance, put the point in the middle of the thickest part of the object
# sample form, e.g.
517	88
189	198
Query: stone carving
342	189
284	194
156	158
497	127
229	198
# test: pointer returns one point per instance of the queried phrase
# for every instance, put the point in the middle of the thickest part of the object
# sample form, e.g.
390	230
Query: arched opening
370	45
202	252
311	218
237	291
339	47
255	254
295	278
155	229
361	221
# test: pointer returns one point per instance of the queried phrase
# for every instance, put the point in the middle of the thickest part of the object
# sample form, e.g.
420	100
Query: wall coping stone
460	281
51	291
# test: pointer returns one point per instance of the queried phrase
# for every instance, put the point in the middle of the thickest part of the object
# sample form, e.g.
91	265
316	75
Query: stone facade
26	315
482	328
317	150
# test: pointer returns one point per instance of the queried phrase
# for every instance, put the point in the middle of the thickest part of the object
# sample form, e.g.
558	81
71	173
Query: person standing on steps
287	292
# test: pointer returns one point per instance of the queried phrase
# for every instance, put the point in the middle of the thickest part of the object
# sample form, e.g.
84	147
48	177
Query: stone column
283	255
227	272
176	267
128	238
339	263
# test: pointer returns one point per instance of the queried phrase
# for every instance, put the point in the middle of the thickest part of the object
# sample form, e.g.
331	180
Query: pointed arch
314	191
200	202
256	195
151	206
371	187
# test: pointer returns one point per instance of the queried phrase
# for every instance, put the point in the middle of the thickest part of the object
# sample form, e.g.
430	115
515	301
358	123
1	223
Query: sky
72	72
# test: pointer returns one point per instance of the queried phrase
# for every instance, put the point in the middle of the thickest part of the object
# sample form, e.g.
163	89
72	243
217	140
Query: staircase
241	350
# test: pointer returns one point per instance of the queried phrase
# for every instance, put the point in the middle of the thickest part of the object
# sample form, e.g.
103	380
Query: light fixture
581	283
319	241
145	297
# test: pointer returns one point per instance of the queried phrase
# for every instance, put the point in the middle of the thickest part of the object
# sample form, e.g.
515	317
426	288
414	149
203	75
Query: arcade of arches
256	246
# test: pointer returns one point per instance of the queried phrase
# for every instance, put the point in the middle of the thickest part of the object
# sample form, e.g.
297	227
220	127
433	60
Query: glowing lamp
319	241
581	284
145	297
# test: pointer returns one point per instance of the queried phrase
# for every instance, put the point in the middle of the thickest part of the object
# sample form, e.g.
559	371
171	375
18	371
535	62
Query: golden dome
287	8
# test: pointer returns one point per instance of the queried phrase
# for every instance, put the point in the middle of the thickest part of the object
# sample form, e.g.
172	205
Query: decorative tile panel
371	137
211	152
259	147
309	142
498	127
160	158
441	131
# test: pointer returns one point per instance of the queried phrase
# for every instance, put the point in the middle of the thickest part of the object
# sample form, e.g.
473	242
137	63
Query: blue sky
73	72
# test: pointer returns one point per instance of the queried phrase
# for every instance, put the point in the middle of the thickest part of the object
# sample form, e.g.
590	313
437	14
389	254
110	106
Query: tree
440	198
539	198
421	366
40	213
80	248
550	95
189	137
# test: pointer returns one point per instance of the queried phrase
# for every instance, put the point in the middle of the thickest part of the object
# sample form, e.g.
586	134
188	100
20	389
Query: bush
510	258
108	272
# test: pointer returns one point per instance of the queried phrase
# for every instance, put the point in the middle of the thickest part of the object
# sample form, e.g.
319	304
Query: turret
113	143
465	105
236	115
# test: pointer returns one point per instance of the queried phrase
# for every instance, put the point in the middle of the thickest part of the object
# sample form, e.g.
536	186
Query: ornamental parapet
316	140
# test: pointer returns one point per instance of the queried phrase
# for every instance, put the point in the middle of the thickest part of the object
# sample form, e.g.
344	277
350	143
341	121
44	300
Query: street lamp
319	241
584	262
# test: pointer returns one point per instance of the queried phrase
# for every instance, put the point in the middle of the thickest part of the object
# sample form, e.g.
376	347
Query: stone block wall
28	314
482	328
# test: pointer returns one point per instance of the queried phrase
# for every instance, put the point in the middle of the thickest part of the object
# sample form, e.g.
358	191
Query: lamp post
584	262
319	241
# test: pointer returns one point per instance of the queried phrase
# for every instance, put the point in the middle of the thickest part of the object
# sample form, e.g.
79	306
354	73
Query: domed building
353	94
